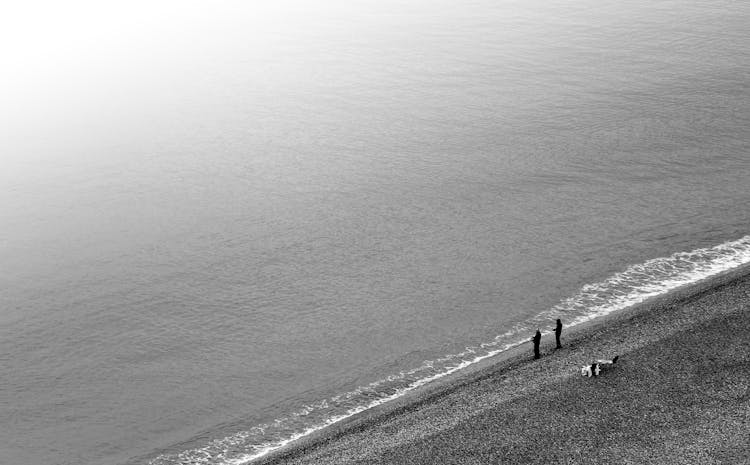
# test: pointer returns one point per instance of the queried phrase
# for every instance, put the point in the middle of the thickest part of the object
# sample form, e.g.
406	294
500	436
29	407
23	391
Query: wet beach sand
680	393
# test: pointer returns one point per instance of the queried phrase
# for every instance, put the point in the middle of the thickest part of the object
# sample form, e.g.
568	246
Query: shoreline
618	333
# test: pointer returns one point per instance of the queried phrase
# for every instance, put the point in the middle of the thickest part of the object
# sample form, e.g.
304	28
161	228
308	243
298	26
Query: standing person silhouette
558	331
537	339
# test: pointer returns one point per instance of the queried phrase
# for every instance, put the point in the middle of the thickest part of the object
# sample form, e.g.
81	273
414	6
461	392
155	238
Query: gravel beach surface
680	393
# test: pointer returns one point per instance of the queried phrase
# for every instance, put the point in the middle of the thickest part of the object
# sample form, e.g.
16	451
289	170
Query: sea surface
224	226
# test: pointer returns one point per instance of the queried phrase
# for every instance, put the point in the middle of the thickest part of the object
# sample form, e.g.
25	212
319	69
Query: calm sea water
221	229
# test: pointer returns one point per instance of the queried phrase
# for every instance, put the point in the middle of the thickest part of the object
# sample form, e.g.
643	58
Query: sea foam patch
621	290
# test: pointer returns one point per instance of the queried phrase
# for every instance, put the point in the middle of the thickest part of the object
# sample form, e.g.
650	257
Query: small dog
596	367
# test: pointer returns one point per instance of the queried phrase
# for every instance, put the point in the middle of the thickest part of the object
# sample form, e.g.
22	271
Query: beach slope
679	394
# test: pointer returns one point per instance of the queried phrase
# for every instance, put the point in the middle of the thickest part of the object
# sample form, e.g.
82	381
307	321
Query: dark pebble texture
678	395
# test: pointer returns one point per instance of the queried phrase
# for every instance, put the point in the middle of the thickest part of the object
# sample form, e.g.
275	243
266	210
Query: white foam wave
631	286
651	278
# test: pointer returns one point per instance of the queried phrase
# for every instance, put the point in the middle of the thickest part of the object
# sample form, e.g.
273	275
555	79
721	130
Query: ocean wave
624	289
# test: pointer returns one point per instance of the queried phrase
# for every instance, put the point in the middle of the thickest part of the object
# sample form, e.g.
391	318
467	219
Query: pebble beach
680	393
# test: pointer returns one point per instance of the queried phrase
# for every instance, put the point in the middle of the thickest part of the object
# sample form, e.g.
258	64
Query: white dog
596	367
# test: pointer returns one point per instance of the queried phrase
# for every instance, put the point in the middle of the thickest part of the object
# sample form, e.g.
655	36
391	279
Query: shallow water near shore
288	224
697	332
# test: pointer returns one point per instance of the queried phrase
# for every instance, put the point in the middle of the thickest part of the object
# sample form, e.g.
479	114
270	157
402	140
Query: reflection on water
213	219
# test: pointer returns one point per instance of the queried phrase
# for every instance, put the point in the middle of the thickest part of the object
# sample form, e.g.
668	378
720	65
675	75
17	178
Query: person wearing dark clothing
558	331
537	339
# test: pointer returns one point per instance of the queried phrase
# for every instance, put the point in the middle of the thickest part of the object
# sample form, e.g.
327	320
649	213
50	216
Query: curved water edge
621	290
